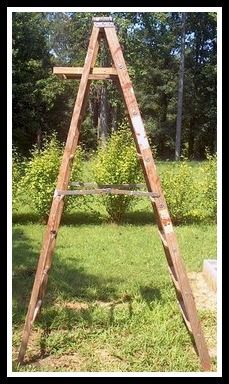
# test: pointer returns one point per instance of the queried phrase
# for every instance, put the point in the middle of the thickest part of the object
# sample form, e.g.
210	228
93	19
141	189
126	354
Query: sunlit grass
130	320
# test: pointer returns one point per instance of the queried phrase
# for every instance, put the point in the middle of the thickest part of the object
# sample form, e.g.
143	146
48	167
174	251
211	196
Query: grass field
110	304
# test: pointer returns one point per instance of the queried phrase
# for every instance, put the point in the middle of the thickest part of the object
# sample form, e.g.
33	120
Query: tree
35	90
199	120
180	90
151	43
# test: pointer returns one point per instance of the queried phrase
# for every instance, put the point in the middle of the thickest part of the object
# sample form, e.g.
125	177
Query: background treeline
151	43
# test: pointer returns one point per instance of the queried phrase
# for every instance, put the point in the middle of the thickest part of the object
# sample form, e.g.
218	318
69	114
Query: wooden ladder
103	27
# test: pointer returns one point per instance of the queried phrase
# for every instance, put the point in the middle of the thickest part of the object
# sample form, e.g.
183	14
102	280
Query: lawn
110	304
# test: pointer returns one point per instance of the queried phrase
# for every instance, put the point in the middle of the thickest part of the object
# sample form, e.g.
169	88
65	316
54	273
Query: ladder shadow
149	295
69	281
112	310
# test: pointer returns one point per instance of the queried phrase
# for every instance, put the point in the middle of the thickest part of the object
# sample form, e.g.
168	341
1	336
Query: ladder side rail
50	235
160	206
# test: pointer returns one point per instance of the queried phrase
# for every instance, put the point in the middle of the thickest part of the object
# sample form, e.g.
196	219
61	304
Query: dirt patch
73	362
34	357
106	357
76	305
205	297
79	305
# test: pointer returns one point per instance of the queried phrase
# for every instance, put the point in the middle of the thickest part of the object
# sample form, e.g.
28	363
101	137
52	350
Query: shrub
117	163
178	187
18	170
39	182
208	187
191	192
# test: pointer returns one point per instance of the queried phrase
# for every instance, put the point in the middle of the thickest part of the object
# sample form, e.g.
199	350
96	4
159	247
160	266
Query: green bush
190	192
18	170
177	184
39	182
207	189
117	163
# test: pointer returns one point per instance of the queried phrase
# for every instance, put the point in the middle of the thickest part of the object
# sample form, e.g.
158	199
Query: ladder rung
182	309
180	298
102	191
76	72
175	282
163	238
37	308
174	279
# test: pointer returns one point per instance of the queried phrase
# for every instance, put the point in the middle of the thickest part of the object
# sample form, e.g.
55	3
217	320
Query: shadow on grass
76	218
95	218
65	281
86	218
139	218
26	218
150	294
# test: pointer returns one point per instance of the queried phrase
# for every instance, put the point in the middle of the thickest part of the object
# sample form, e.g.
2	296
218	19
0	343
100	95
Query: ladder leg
41	276
49	240
176	266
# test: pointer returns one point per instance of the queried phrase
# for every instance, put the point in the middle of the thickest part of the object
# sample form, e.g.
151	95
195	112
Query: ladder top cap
102	19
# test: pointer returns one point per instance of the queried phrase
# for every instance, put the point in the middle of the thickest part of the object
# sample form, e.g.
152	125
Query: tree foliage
151	46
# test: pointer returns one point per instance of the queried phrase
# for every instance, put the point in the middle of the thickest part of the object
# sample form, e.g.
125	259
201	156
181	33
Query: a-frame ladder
104	28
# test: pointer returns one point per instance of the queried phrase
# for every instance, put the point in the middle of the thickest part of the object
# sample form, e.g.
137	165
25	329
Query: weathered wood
162	237
187	322
104	191
159	205
168	237
174	278
104	21
101	18
97	73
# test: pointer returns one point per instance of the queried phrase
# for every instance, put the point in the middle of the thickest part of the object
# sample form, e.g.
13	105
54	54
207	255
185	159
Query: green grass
97	263
110	303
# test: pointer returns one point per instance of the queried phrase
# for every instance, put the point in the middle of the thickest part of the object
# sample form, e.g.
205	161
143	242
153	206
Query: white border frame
218	373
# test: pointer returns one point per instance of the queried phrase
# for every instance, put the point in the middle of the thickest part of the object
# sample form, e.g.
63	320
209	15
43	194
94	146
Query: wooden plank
101	18
102	22
159	205
97	73
184	314
174	278
162	237
104	191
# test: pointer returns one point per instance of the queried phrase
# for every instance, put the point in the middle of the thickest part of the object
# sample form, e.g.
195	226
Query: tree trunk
103	114
114	118
191	138
39	139
180	90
